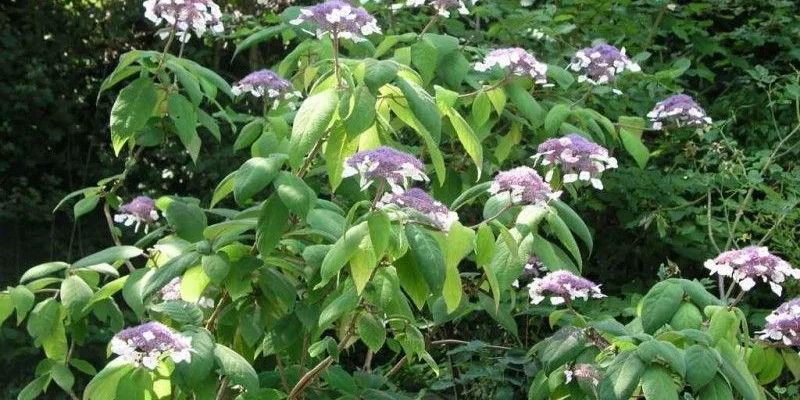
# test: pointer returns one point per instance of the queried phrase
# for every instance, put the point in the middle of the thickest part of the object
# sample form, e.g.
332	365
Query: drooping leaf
310	123
131	110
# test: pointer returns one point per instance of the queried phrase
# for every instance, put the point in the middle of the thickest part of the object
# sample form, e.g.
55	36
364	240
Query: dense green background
742	54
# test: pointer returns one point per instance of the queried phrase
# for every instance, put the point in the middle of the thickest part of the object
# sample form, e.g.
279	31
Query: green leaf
224	189
423	58
253	176
108	256
630	132
216	266
172	269
563	347
527	106
457	244
657	384
560	75
248	134
105	292
32	390
428	256
183	114
42	270
262	35
467	138
660	304
574	222
666	351
133	289
555	117
295	194
773	367
380	227
411	279
272	221
717	389
484	245
62	376
470	194
723	323
75	295
310	124
131	110
481	108
379	73
564	235
423	106
791	358
341	252
363	114
371	331
701	366
23	300
547	253
180	311
628	377
85	205
188	220
235	367
6	307
104	385
339	147
187	80
345	302
735	370
47	327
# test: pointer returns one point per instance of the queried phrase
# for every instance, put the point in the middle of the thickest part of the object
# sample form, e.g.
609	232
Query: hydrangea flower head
600	64
516	61
442	7
265	83
393	166
184	15
339	18
679	110
578	158
140	210
562	286
144	345
784	324
420	201
172	291
746	266
524	185
583	372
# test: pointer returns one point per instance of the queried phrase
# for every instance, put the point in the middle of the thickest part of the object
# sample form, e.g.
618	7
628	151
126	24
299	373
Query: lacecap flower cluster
144	345
184	17
578	158
516	61
139	211
678	111
601	63
265	83
749	265
340	19
562	286
783	324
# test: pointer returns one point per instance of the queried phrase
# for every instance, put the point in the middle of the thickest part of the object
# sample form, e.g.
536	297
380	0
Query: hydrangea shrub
381	195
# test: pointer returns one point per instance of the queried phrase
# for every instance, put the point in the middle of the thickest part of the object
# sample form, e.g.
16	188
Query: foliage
293	277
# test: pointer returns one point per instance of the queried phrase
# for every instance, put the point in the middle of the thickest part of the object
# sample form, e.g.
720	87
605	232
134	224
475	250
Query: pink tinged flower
172	291
184	16
749	265
524	186
442	7
340	19
394	167
141	210
419	201
562	286
144	345
679	111
578	159
601	63
783	324
532	269
265	83
515	61
583	372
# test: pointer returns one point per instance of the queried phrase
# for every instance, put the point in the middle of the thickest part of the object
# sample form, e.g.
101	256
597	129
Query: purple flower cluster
184	15
784	324
394	167
516	61
442	7
419	201
747	265
601	63
524	185
140	210
265	83
579	159
679	110
583	372
144	345
339	19
562	286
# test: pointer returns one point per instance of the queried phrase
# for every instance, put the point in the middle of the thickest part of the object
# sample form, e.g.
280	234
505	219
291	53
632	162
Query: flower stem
430	24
